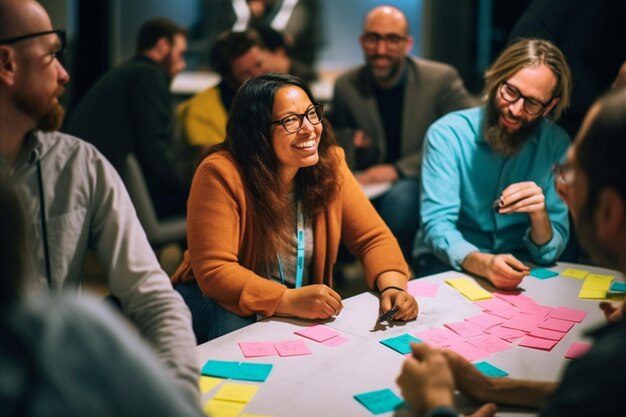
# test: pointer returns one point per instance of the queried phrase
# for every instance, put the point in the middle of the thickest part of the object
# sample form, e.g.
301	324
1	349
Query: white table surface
323	383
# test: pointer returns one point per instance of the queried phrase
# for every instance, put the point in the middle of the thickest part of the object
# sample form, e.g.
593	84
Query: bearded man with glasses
488	195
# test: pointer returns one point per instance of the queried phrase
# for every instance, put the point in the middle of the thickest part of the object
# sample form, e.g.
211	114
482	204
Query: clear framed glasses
511	94
60	33
293	122
392	40
564	173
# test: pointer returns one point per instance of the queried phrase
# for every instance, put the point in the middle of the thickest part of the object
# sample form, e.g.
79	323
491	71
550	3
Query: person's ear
609	213
163	46
550	106
7	65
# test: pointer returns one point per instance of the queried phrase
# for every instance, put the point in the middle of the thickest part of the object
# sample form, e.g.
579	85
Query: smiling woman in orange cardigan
278	183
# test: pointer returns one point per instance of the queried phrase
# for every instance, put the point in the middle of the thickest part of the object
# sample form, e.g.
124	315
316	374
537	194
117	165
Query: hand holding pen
397	304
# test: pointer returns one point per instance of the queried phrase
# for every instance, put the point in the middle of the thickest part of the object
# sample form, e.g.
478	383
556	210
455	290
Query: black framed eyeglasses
59	32
371	39
511	94
293	122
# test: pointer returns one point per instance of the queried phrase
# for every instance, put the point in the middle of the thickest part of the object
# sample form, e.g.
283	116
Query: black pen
386	316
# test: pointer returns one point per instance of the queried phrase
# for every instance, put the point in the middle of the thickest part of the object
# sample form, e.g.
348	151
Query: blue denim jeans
400	209
209	319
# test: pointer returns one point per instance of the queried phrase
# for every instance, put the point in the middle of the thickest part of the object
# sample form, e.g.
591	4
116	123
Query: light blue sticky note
401	343
490	370
253	371
543	273
220	369
618	287
381	401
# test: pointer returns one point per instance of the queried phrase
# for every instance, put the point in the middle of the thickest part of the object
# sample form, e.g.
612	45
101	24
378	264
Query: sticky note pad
547	334
207	383
381	401
490	370
543	273
618	287
537	343
485	320
219	408
469	288
465	329
557	325
566	313
220	369
574	273
292	348
317	332
418	288
489	343
241	393
595	286
576	350
257	349
402	343
253	372
469	352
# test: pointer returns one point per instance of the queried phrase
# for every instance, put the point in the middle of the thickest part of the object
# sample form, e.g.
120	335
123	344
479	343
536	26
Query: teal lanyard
300	249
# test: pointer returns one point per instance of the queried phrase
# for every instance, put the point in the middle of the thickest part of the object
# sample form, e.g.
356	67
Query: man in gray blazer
381	111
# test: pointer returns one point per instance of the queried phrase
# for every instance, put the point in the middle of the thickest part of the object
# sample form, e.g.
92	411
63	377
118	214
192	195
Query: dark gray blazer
432	89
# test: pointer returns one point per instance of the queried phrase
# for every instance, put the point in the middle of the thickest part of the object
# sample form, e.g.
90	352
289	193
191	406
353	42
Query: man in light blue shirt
488	192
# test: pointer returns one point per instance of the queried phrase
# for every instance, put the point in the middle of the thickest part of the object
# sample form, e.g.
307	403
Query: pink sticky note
536	309
257	349
493	304
317	332
469	352
577	350
505	313
518	300
485	320
292	348
465	329
557	324
489	343
506	334
547	334
418	288
335	341
439	337
570	314
524	322
537	343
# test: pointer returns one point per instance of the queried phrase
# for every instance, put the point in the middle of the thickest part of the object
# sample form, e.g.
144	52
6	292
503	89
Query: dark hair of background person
154	29
271	38
12	245
249	141
601	152
229	46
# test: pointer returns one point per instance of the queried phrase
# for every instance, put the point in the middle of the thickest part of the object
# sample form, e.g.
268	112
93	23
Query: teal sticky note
490	370
381	401
253	371
401	343
220	369
543	273
618	287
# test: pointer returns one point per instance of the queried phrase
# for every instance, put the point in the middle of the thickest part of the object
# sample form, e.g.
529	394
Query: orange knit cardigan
221	255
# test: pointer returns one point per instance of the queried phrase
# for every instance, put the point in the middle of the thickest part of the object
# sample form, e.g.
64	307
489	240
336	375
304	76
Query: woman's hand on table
405	302
311	302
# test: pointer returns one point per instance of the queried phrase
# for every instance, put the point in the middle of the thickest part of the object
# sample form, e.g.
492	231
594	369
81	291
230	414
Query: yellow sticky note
219	408
469	289
241	393
593	294
574	273
207	383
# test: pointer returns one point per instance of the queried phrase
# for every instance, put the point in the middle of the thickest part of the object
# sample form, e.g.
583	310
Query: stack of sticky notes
596	286
230	400
322	334
237	370
381	401
469	288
